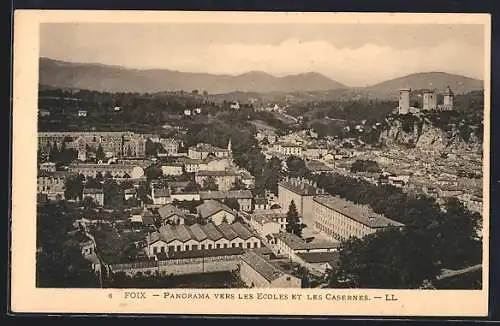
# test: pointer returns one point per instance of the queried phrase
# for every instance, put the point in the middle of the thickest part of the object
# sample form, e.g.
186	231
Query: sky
353	54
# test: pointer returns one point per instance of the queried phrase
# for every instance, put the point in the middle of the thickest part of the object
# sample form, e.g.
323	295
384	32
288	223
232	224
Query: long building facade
340	219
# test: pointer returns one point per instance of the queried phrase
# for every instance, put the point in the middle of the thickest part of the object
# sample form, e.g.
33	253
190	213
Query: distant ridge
99	77
427	80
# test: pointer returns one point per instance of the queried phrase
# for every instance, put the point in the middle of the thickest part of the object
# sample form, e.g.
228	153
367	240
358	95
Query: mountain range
99	77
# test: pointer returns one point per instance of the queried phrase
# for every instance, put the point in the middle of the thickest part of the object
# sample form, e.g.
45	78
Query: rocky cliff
430	134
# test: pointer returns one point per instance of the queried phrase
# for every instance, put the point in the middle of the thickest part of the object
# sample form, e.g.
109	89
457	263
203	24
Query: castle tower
448	98
429	101
404	100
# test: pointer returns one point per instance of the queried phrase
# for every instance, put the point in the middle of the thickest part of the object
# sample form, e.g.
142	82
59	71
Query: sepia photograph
324	155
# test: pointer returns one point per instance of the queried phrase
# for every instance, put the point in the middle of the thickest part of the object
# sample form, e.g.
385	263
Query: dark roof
216	173
297	243
300	187
170	233
162	192
237	194
359	213
319	257
53	174
260	201
197	232
92	191
262	266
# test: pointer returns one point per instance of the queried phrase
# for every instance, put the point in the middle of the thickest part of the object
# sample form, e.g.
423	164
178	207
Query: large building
340	219
176	238
202	151
301	192
120	144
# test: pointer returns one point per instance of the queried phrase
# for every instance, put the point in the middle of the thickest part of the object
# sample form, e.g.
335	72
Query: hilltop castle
429	101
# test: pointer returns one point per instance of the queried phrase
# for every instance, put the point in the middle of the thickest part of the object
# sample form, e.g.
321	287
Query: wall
181	266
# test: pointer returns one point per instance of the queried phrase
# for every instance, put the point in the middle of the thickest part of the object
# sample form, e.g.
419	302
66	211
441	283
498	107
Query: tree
54	153
99	177
153	173
210	184
100	155
297	167
89	203
389	259
365	166
224	219
113	194
293	221
192	187
232	203
73	187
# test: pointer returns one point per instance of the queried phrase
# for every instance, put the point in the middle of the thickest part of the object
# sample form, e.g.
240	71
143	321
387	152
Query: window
218	245
195	247
187	247
155	250
225	245
233	245
179	248
202	246
249	245
209	246
241	245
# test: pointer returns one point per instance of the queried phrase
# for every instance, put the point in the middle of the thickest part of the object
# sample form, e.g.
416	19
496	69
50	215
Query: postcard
250	163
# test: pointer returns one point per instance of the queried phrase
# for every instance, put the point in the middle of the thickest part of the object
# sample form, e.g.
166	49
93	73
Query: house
187	112
160	196
264	225
169	214
261	204
216	212
224	179
257	272
322	262
47	167
130	193
96	194
203	150
82	113
172	169
197	110
243	197
235	106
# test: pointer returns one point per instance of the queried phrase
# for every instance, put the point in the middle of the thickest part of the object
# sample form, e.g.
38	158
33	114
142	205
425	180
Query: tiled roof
297	243
197	232
227	231
212	232
262	266
242	231
54	174
359	213
206	253
174	232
